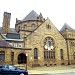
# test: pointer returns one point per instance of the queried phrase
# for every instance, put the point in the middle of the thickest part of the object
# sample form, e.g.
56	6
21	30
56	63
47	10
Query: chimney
6	22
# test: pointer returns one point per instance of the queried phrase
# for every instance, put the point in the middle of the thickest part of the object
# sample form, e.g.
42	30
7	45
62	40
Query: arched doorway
22	58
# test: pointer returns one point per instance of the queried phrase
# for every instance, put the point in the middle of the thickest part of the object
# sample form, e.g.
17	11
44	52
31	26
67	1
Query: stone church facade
36	41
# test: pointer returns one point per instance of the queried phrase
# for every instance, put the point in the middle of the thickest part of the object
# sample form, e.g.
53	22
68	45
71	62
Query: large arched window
49	52
49	43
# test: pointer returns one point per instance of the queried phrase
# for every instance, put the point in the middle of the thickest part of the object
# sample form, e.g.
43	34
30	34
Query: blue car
6	69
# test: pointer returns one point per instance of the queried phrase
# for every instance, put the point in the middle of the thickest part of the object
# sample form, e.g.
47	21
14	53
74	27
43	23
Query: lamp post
26	61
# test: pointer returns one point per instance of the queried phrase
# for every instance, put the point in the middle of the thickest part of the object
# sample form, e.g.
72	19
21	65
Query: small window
48	26
25	27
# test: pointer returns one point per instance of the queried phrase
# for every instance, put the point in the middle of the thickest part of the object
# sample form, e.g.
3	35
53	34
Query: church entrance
22	58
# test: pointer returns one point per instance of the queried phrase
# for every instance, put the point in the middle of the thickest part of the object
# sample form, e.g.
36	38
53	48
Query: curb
50	72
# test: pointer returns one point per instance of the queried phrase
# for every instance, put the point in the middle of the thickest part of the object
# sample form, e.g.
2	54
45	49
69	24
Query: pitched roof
3	43
66	26
31	16
12	30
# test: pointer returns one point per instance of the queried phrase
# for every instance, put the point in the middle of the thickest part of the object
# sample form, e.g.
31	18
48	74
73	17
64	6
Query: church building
36	41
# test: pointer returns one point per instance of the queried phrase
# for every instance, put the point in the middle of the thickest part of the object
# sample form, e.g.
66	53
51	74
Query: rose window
49	43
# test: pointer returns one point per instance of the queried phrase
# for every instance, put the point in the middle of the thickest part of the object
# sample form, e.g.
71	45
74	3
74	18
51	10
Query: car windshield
12	67
8	66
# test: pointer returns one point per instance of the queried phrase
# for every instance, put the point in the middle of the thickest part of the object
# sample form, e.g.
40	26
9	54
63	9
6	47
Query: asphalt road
71	73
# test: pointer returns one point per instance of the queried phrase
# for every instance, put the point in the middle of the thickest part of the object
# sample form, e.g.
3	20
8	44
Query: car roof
3	64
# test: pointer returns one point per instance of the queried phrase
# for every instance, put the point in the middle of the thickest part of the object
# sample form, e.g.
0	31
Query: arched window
33	26
35	53
49	43
49	52
25	27
74	55
19	28
61	53
2	56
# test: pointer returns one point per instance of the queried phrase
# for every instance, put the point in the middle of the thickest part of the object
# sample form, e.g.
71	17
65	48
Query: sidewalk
52	69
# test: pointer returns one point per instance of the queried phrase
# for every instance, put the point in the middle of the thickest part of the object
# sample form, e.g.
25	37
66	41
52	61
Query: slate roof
12	30
31	16
3	43
66	26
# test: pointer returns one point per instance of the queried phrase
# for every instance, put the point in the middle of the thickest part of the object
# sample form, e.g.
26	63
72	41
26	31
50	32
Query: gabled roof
66	27
31	16
4	44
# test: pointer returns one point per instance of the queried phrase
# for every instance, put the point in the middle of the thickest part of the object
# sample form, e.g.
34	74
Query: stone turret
6	22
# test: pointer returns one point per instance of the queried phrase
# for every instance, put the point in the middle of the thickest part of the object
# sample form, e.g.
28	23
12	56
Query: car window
2	66
12	67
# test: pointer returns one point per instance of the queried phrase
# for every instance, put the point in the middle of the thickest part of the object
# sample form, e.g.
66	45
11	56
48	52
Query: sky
58	11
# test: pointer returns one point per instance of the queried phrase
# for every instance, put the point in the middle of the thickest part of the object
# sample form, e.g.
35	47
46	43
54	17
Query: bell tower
6	22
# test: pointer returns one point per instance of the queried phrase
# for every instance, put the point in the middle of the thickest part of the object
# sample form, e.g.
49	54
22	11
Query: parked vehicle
6	69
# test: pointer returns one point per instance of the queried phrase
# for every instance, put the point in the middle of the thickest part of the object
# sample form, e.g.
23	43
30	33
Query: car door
9	70
13	70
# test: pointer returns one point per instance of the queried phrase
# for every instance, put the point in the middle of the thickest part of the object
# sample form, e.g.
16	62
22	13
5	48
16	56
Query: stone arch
22	58
42	40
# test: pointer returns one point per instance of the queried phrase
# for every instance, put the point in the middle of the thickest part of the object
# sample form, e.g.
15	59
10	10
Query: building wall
36	40
21	27
69	35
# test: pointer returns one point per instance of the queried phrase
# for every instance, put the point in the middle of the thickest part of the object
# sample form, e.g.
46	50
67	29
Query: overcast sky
58	11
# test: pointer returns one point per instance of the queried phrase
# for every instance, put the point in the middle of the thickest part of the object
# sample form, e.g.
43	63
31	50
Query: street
71	73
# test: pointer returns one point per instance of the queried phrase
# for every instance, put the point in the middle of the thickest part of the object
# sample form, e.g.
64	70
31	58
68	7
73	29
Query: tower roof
66	26
31	16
